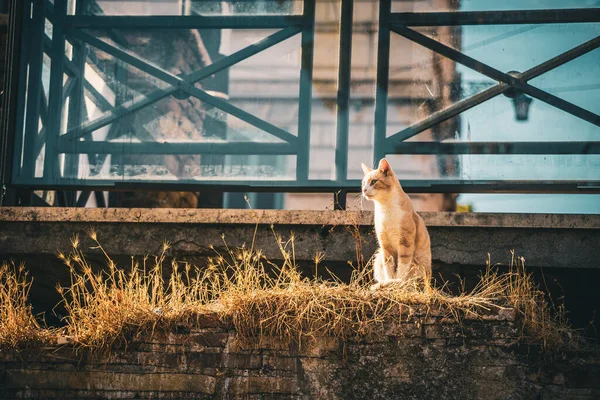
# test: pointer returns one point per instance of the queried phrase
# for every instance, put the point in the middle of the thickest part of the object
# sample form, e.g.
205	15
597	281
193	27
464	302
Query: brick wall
425	357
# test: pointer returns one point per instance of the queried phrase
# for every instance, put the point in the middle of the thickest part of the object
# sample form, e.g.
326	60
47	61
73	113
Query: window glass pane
500	167
514	47
532	203
324	90
191	7
362	87
496	120
241	123
129	143
577	81
486	5
423	82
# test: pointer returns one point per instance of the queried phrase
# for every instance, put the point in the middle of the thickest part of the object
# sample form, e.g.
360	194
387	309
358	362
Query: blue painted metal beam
305	94
512	17
51	167
343	95
118	147
539	148
68	88
326	186
185	22
34	87
13	123
383	77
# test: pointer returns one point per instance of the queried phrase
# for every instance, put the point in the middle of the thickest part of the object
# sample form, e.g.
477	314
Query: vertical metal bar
343	94
118	159
305	100
100	201
383	76
75	112
51	170
76	99
15	79
34	88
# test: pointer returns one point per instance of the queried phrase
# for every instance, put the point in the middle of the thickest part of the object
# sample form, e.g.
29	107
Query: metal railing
67	81
401	23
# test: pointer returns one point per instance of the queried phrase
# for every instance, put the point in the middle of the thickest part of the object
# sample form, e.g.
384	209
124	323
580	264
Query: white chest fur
387	221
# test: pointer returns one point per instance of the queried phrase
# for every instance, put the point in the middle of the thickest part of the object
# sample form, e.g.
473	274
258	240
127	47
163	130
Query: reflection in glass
192	7
486	5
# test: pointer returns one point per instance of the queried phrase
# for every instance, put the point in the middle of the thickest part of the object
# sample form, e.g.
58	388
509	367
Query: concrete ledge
564	247
564	241
285	217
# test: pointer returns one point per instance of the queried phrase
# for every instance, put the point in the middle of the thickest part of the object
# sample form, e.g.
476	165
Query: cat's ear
384	167
365	169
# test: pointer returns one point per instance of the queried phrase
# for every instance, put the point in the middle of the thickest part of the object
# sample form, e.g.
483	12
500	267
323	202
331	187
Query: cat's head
378	183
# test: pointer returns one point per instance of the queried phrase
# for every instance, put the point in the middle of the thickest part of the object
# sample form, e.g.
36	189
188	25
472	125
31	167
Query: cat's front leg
405	258
383	270
378	263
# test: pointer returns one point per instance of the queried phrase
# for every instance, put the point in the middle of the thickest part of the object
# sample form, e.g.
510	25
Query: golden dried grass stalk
115	306
18	326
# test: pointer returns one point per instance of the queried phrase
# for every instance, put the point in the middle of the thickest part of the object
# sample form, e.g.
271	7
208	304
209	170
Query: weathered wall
545	240
425	357
560	249
422	358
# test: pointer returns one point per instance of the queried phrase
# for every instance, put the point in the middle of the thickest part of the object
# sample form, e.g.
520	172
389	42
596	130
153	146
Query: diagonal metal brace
507	81
497	75
487	94
176	82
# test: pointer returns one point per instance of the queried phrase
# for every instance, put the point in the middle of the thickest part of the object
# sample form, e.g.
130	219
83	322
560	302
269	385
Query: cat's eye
374	181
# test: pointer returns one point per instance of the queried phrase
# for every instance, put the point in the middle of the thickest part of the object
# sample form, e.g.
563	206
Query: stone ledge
286	217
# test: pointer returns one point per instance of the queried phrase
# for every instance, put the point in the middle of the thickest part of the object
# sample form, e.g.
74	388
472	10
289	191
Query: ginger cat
404	247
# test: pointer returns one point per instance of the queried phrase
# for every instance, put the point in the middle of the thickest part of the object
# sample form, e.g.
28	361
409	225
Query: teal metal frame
31	106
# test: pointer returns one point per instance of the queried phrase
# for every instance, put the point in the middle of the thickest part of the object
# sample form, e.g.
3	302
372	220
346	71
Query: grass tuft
18	326
115	306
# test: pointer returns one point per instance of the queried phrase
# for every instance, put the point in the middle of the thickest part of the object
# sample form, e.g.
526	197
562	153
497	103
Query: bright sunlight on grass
116	305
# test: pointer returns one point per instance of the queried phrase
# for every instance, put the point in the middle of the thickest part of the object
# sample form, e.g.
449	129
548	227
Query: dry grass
259	299
294	308
18	326
114	306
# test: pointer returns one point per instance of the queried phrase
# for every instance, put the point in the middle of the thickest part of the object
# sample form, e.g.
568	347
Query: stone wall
560	249
425	357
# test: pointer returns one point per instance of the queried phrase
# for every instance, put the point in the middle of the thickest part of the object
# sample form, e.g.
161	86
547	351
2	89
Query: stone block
241	361
321	346
108	381
403	329
271	361
204	360
208	339
255	385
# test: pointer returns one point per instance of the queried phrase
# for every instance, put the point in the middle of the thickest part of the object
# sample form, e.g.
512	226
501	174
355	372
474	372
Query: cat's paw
376	286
